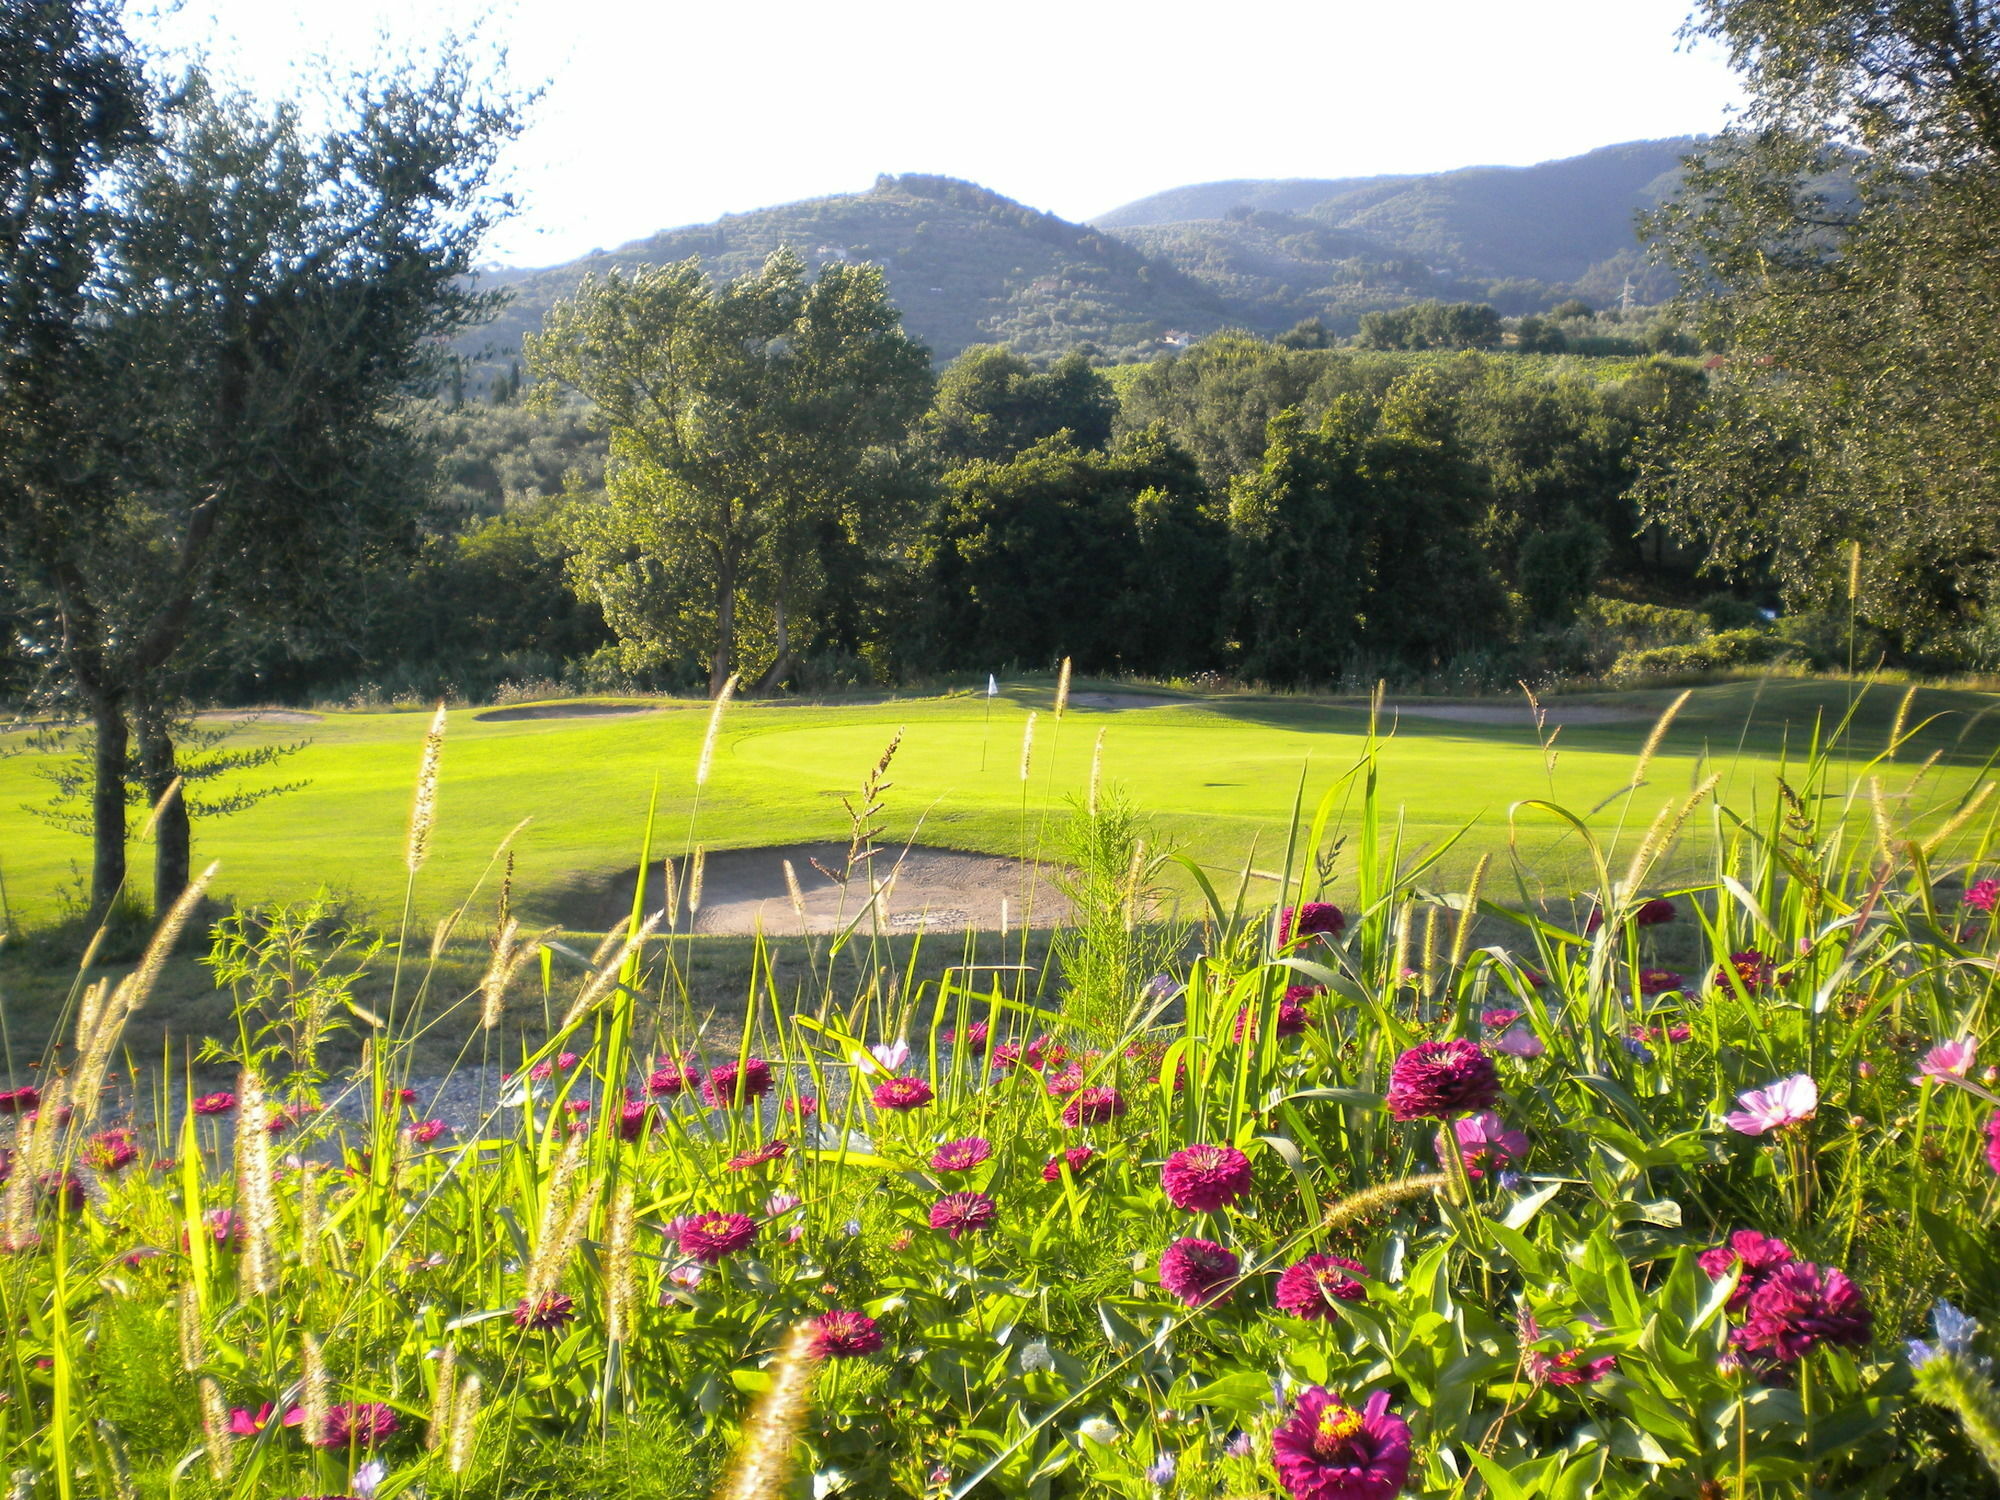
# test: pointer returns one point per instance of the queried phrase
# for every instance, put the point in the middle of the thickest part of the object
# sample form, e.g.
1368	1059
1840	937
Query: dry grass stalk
1062	689
1027	746
1958	820
767	1456
722	698
1660	837
438	1430
193	1348
794	893
312	1377
1902	718
35	1158
671	881
166	799
1096	770
697	866
1369	1200
553	1255
500	972
619	1281
423	809
1885	828
256	1203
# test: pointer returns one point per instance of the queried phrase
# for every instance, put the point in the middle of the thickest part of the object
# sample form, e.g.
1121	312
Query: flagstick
986	733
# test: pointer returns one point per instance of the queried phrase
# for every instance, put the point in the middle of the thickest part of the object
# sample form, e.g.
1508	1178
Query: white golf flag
992	686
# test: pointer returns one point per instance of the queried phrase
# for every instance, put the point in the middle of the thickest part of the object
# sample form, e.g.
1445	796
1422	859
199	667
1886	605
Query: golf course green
1219	775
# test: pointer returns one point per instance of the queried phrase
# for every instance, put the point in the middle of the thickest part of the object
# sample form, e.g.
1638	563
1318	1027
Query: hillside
965	265
968	266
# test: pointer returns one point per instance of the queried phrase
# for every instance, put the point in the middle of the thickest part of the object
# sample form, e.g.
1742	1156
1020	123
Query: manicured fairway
1218	774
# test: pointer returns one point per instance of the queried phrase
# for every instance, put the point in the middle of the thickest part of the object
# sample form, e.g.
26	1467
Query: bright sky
662	114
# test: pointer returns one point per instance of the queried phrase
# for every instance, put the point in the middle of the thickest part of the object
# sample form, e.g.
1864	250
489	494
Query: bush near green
1354	1202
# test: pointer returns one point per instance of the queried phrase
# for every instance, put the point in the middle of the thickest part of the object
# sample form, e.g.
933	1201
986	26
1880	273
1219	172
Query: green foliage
1713	653
1558	569
1432	325
991	404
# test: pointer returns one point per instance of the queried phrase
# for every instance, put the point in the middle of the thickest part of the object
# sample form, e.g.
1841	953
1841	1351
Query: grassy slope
1218	775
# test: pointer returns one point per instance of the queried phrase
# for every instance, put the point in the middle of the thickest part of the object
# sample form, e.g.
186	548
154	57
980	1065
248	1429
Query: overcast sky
662	114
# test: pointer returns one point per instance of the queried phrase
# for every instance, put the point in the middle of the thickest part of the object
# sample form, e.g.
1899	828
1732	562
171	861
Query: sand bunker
1516	713
258	716
563	711
939	890
1125	700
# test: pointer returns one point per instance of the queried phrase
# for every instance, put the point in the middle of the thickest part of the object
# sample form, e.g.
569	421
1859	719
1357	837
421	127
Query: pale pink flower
1518	1041
1774	1106
1947	1060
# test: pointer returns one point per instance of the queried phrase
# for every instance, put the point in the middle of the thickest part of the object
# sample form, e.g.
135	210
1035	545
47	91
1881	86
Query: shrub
1716	653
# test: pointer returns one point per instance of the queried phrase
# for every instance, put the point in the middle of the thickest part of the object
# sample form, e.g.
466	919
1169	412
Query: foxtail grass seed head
1027	746
315	1395
695	868
500	970
1383	1195
670	880
1660	726
1062	689
1885	828
464	1419
619	1278
707	760
193	1348
166	800
767	1455
256	1202
1902	719
423	809
1853	570
1461	937
608	972
796	895
438	1432
214	1426
1096	769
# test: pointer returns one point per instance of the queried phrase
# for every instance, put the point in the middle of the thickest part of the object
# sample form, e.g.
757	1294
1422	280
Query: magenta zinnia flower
729	1085
1293	1017
1314	1287
961	1156
1198	1272
1500	1020
1202	1178
1486	1144
902	1093
1993	1141
1327	1450
426	1131
673	1076
111	1150
1311	920
360	1424
1751	969
632	1117
1078	1157
246	1423
19	1101
1093	1107
710	1237
1519	1041
1567	1367
1068	1081
215	1104
1776	1105
551	1311
1437	1080
1983	895
844	1335
963	1213
1758	1255
1659	981
1800	1305
768	1152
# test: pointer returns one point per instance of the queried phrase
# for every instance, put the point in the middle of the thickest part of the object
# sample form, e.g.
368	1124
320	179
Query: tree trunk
725	630
781	664
171	829
107	803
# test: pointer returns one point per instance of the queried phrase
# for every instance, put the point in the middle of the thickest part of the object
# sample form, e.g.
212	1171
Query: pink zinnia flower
1500	1020
111	1150
19	1101
549	1312
1204	1178
1758	1255
1437	1080
1983	895
902	1093
399	1096
246	1423
844	1335
975	1034
1659	981
1801	1305
1567	1367
427	1131
632	1117
1068	1081
1993	1141
215	1104
1327	1450
800	1106
1776	1105
1947	1060
961	1156
768	1152
708	1238
1093	1107
729	1085
1198	1272
1314	1287
1076	1158
1486	1144
673	1076
542	1071
1293	1017
1314	919
963	1213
